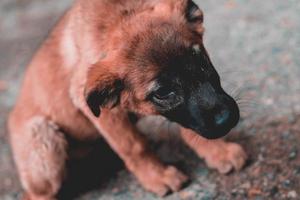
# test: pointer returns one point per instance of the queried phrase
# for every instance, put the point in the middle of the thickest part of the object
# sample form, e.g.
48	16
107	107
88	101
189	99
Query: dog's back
46	87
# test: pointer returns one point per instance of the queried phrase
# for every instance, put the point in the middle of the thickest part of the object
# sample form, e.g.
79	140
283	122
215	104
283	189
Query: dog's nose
222	117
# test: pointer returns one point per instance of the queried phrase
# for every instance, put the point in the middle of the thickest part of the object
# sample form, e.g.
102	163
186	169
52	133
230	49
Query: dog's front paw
225	156
163	181
160	179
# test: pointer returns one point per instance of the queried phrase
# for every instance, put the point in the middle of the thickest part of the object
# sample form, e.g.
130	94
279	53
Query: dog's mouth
215	132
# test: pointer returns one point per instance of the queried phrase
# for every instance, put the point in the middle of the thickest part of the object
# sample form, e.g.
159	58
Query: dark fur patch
106	97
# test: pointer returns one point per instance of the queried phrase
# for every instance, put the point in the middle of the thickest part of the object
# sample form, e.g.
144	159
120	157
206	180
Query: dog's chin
211	134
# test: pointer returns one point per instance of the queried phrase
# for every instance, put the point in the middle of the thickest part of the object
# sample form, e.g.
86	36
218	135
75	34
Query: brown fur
86	53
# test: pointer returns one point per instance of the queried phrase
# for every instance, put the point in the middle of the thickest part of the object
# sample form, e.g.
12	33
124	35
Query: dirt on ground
274	164
255	45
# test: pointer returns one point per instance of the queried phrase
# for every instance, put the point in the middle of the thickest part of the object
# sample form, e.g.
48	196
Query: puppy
104	60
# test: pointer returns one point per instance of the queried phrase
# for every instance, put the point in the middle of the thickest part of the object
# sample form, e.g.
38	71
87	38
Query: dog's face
161	67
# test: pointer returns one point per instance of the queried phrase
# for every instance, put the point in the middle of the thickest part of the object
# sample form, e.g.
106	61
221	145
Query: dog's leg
218	154
40	154
131	147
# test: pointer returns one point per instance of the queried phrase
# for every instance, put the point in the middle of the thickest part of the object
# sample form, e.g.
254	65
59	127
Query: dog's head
156	64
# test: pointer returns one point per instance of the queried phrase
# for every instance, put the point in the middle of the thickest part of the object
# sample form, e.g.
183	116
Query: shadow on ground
255	45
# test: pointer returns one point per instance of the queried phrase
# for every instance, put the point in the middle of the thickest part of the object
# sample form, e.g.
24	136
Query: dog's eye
163	93
194	14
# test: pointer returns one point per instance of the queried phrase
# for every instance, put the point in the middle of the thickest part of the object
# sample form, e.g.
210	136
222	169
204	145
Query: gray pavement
254	44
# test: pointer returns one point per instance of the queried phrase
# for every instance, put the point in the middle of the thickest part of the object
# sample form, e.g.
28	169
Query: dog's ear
193	12
103	89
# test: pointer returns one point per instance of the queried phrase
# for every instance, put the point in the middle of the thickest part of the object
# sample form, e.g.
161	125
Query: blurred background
255	45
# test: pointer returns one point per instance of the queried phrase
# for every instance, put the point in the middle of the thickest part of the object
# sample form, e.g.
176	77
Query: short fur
96	66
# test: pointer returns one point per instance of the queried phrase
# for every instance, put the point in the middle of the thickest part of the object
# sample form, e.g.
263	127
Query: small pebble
271	176
293	154
297	170
246	185
292	194
261	158
286	135
286	183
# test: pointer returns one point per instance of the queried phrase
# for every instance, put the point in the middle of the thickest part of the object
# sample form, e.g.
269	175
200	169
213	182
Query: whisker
247	105
232	71
236	91
227	84
244	100
247	109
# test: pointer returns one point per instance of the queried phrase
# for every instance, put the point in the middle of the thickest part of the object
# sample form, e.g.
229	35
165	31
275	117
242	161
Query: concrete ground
254	44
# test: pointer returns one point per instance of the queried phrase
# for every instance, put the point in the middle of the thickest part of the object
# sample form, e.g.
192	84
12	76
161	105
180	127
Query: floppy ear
103	89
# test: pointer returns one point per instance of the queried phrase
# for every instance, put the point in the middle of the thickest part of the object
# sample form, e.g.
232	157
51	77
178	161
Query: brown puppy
107	58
